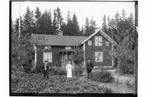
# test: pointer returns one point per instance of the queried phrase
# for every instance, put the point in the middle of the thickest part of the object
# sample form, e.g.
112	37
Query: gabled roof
56	40
103	34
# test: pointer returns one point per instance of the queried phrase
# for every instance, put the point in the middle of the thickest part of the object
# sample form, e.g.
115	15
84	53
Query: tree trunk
118	72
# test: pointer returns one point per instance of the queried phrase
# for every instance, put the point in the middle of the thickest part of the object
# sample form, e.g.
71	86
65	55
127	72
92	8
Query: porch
65	56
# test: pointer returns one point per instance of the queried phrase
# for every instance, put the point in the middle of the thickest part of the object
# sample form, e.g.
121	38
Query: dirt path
120	88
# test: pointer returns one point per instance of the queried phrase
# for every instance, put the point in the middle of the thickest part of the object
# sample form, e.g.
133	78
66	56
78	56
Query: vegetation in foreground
34	83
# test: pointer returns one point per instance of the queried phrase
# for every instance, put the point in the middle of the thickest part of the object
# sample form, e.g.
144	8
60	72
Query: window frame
98	40
107	43
89	42
47	56
100	57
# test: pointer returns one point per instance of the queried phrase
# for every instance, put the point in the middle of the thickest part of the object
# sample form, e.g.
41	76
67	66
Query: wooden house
57	49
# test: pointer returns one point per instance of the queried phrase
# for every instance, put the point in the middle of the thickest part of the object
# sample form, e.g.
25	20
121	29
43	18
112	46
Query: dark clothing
89	67
46	71
45	74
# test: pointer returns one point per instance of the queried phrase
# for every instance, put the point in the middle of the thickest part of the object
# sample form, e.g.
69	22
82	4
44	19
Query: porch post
112	57
35	60
62	58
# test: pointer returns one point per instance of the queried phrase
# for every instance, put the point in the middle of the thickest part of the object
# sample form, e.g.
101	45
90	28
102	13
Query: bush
57	71
27	66
102	76
78	70
127	68
130	84
38	69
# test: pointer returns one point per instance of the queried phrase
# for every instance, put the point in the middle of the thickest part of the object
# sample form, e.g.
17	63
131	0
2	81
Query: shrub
126	68
38	69
57	71
27	66
78	70
130	84
61	72
102	76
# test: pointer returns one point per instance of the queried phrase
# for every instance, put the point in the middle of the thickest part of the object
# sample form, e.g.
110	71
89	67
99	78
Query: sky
81	9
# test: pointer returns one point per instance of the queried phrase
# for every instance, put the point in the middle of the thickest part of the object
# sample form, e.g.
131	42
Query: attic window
98	41
107	43
89	42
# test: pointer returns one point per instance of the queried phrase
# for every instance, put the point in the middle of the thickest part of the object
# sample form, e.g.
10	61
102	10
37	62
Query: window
98	56
107	43
68	48
98	41
89	42
47	56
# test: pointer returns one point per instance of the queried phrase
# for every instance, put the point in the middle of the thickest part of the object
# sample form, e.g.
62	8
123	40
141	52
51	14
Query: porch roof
67	51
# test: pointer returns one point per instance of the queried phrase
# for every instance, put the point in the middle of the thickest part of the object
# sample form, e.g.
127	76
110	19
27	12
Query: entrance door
65	57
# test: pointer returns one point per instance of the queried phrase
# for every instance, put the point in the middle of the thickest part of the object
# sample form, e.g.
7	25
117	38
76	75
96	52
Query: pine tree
75	26
90	26
28	20
37	17
87	27
104	24
67	27
57	20
16	26
123	14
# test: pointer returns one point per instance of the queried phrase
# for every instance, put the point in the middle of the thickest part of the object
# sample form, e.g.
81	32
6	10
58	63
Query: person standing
46	70
89	67
69	68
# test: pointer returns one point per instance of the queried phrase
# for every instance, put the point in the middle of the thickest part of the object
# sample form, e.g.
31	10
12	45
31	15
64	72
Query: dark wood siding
56	55
90	52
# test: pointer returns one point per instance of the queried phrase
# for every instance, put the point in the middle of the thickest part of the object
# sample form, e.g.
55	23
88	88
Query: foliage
102	76
78	70
131	84
127	68
90	26
78	56
57	71
27	66
122	29
34	83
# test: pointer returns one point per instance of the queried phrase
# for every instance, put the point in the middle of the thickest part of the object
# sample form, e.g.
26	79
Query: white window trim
89	42
99	39
96	55
46	56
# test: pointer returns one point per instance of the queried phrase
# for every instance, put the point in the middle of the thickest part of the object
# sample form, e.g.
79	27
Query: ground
35	83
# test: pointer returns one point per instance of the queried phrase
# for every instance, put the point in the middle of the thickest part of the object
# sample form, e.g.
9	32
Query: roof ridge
59	35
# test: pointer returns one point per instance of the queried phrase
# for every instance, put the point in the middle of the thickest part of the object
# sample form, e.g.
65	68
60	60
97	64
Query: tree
46	23
75	26
123	14
57	20
17	26
67	27
90	27
28	20
104	25
37	17
78	59
87	27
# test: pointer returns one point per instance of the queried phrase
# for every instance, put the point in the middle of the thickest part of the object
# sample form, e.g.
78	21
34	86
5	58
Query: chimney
60	33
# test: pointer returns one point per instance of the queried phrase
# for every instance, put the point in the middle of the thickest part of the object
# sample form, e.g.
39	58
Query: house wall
90	51
56	55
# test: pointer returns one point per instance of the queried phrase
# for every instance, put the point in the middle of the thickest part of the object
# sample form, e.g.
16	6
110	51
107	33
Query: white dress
69	70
